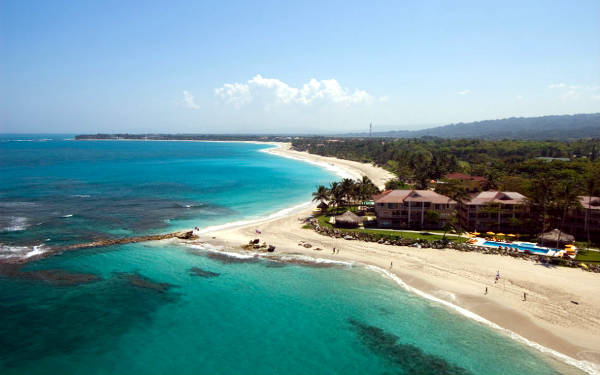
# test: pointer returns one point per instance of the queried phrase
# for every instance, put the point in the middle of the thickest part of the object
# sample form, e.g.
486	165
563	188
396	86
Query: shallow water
61	192
164	308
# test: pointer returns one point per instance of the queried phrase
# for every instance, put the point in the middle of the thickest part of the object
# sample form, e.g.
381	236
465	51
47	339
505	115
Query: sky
291	67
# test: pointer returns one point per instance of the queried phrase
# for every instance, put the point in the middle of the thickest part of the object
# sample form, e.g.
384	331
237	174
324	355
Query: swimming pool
521	246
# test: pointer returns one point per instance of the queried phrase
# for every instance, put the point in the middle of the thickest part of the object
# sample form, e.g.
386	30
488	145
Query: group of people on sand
496	280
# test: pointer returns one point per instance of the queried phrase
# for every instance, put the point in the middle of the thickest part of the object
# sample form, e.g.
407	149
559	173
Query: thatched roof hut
348	220
556	238
323	206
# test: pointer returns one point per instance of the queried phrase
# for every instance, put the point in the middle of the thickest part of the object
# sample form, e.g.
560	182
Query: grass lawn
588	256
324	222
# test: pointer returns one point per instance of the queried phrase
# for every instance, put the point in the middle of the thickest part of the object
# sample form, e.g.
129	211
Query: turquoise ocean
166	308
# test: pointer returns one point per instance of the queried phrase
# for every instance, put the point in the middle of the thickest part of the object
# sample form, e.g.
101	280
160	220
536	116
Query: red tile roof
504	197
381	195
399	196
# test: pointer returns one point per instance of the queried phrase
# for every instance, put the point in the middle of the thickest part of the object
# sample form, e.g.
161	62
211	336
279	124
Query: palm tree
541	196
348	187
452	223
322	194
366	189
567	200
591	180
336	194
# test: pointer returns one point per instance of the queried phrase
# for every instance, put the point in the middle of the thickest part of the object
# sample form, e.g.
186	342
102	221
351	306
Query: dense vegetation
532	128
346	192
551	185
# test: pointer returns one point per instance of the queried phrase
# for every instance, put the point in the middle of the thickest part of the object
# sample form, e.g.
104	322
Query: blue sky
158	66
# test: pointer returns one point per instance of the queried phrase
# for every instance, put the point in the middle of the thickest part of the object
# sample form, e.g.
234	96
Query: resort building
472	183
414	209
586	217
494	211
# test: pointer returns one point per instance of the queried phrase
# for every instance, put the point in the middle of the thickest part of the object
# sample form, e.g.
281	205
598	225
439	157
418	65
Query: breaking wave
21	252
16	223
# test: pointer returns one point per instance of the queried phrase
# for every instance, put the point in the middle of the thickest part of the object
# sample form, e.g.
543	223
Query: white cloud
519	97
464	92
189	101
556	85
575	92
384	99
272	91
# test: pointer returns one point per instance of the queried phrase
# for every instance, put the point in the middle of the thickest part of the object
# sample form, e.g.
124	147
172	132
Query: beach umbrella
476	233
511	235
490	233
500	234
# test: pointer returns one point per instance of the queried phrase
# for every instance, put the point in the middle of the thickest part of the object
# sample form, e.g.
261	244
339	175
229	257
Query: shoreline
441	276
548	321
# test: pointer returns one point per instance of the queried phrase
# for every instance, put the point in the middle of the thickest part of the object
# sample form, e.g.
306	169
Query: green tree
349	190
366	189
432	218
452	224
322	194
454	189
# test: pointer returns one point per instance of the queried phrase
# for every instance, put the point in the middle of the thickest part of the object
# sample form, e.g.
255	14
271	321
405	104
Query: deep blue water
157	308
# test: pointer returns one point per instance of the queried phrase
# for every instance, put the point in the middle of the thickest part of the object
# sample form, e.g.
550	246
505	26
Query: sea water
166	308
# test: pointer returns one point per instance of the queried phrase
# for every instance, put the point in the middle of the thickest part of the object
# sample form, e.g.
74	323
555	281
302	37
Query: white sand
547	318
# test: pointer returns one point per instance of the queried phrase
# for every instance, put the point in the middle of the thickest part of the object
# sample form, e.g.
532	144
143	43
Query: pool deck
533	248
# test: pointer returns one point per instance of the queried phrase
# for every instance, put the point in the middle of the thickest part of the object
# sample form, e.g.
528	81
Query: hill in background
535	128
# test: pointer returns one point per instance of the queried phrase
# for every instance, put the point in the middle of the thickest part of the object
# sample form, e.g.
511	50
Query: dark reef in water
195	271
227	259
53	277
140	281
410	358
64	321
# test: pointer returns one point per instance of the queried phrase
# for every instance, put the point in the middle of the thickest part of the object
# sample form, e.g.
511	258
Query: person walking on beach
391	265
334	250
485	291
524	296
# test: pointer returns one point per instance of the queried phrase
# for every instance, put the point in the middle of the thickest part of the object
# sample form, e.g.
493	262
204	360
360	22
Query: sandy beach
562	311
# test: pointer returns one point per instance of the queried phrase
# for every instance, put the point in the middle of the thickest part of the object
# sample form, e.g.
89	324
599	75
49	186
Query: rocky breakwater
185	235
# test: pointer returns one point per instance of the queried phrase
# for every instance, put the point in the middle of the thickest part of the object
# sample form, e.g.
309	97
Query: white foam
8	252
218	250
307	258
66	216
16	223
585	366
80	195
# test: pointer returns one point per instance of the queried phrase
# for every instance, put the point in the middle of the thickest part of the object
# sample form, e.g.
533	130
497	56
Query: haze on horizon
281	67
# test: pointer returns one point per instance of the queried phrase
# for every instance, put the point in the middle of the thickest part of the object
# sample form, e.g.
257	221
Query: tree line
552	186
346	192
